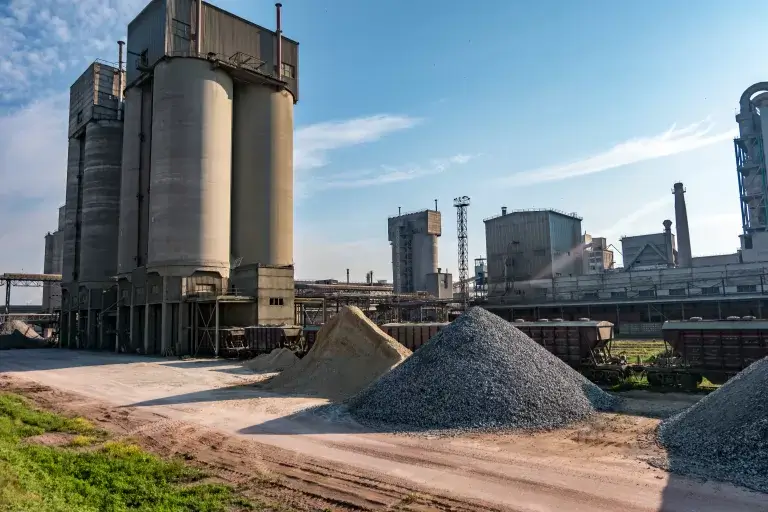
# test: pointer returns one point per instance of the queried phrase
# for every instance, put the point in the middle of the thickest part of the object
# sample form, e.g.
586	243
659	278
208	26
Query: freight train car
712	349
412	336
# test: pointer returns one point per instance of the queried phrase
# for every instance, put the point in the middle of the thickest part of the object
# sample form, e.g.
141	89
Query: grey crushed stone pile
725	435
480	372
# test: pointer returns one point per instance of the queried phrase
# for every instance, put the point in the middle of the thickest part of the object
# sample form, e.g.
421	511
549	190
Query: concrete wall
440	285
718	259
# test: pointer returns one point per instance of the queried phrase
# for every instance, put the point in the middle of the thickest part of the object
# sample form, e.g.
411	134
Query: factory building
531	244
52	262
92	207
179	208
413	237
596	257
651	251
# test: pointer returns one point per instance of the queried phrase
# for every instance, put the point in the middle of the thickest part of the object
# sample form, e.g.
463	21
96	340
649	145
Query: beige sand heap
350	353
277	360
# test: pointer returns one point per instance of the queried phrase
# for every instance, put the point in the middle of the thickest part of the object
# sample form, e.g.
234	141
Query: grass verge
92	473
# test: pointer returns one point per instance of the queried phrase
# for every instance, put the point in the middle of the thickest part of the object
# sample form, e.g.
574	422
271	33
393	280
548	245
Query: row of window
676	292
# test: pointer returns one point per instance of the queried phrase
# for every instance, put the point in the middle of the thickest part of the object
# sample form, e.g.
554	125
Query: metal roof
706	325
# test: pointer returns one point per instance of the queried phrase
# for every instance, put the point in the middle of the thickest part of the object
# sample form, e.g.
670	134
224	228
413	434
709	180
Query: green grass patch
642	351
110	477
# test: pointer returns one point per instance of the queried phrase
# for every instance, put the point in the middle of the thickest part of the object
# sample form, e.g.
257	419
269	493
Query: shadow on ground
23	360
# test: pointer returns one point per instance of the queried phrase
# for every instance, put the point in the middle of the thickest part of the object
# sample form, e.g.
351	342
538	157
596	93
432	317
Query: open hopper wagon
712	349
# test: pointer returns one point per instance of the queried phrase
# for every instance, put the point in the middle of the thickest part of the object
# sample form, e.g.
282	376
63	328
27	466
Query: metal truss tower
461	204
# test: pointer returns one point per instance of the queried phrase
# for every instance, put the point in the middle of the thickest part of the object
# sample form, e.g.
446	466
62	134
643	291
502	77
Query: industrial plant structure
179	203
531	244
413	237
52	264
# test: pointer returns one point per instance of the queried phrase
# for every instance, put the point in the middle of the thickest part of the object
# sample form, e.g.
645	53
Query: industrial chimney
668	245
683	235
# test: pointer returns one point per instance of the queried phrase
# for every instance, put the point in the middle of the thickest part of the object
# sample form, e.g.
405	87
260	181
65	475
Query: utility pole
461	204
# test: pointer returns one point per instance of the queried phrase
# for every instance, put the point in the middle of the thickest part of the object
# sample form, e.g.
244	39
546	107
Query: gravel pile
480	372
725	435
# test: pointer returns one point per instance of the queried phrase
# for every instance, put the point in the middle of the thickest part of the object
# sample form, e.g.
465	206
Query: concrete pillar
132	320
89	327
118	327
165	321
180	331
146	327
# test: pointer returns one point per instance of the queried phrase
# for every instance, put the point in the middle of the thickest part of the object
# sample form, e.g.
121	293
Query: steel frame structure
461	204
749	164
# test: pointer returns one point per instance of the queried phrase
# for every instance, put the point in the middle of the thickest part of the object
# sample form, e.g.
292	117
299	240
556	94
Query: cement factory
178	224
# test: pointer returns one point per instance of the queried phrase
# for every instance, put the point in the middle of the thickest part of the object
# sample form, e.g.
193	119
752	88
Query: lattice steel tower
461	204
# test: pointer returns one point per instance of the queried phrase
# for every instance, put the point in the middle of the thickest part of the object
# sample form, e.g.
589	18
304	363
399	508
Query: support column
216	331
146	325
131	320
179	349
89	324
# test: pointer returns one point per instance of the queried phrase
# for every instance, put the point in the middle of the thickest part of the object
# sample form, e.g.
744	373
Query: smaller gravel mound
277	360
479	372
724	436
350	352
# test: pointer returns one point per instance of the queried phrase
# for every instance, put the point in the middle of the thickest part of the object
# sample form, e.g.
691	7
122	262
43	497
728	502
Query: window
287	70
539	252
276	301
591	295
710	290
646	293
677	292
181	29
155	289
618	295
746	288
79	117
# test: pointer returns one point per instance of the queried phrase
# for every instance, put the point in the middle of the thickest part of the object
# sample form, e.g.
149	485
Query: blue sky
595	107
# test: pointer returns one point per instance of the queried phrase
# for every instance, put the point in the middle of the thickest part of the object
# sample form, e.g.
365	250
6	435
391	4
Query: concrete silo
92	205
206	207
191	168
414	249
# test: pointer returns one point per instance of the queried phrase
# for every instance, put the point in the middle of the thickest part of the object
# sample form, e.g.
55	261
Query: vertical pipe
347	276
199	29
279	32
120	45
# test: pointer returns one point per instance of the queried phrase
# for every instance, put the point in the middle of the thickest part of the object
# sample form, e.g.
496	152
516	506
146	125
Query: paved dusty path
594	467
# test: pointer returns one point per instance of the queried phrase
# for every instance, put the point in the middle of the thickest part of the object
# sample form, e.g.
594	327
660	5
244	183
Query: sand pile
479	372
725	435
276	361
350	353
17	334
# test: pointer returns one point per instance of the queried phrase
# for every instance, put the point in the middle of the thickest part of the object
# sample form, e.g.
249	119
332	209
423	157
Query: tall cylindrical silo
127	243
101	201
71	211
262	176
425	259
189	210
48	269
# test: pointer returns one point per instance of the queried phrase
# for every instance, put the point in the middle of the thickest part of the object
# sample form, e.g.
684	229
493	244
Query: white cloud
638	218
670	142
313	143
39	38
391	174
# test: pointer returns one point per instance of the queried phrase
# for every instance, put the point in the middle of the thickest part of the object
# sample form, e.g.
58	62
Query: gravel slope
725	435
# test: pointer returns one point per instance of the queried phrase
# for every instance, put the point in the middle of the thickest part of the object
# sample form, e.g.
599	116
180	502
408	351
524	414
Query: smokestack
347	276
199	29
668	247
279	32
683	235
503	210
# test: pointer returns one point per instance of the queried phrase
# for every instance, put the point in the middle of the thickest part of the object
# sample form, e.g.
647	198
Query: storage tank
101	201
48	269
70	222
129	183
262	176
191	163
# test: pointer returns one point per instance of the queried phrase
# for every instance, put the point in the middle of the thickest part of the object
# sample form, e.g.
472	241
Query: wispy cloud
392	174
631	221
313	143
671	142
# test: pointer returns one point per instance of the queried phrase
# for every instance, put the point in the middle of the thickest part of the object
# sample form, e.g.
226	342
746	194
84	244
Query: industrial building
531	244
179	205
597	257
52	264
413	237
651	251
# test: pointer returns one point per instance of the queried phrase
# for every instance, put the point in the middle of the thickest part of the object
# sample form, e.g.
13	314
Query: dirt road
594	467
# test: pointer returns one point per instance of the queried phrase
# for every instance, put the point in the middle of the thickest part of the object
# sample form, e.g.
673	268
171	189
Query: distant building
597	257
414	249
656	250
531	244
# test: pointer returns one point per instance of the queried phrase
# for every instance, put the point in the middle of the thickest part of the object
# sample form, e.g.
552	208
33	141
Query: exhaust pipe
199	29
120	79
279	32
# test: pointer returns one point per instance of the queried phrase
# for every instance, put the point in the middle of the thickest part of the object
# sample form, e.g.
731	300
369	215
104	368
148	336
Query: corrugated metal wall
565	240
146	33
518	245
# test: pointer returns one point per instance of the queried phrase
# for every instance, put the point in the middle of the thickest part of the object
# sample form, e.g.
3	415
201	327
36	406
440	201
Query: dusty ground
211	412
